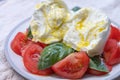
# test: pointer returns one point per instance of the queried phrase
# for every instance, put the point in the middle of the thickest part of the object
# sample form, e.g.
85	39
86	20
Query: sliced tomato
115	33
24	48
31	57
28	43
18	42
98	73
42	44
111	52
73	66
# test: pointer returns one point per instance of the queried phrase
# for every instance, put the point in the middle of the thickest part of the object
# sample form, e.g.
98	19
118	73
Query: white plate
17	63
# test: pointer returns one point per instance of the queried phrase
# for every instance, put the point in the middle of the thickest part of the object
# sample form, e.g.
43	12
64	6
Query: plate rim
6	51
19	71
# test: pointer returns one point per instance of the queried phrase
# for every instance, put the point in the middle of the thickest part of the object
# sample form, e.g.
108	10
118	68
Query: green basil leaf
29	35
75	8
97	64
52	54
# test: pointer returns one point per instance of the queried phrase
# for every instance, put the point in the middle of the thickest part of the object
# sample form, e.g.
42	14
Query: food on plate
52	54
89	31
48	20
73	66
115	33
31	57
18	42
98	66
112	47
99	73
68	43
111	52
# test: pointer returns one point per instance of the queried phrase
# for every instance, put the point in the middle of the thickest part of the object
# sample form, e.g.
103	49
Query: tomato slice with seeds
112	49
114	33
18	42
73	66
31	57
28	43
111	52
24	48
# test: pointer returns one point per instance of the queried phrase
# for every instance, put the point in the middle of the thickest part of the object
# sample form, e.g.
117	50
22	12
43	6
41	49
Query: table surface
13	12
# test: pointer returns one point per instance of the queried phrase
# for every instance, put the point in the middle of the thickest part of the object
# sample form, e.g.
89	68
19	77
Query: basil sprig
29	34
97	64
75	8
52	54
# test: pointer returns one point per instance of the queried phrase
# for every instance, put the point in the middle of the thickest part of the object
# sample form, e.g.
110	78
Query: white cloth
13	12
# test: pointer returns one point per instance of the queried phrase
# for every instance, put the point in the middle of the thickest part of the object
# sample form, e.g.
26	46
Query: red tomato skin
99	73
116	56
18	42
29	42
111	52
24	48
114	33
42	44
32	64
73	66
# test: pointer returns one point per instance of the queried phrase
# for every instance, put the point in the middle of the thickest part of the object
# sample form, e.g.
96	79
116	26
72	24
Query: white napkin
6	72
13	12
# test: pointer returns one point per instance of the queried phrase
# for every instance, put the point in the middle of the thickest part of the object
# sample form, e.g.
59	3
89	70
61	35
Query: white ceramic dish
17	63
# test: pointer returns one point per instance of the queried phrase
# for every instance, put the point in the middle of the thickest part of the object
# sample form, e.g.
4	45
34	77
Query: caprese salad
68	43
